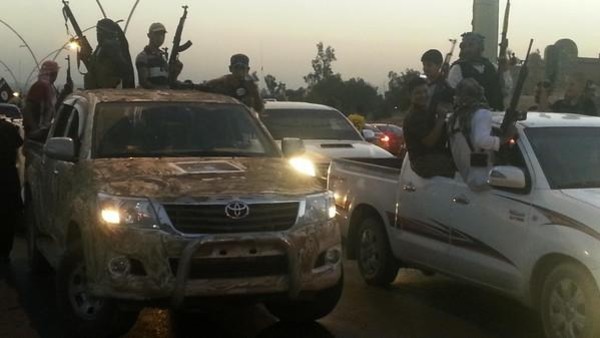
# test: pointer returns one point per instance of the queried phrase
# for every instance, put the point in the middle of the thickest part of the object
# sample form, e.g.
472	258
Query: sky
370	38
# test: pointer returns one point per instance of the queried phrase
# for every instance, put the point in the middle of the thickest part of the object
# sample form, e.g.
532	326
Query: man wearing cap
151	63
441	96
239	84
42	101
471	64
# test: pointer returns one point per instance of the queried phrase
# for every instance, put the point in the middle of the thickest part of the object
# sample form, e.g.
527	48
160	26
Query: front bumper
309	260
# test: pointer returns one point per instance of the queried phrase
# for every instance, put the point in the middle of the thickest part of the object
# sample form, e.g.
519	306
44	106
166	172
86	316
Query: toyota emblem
237	210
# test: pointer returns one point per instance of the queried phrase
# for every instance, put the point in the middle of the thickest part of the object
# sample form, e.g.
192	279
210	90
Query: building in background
486	15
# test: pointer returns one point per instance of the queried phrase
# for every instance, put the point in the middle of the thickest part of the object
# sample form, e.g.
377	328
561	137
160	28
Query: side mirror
507	177
292	147
368	134
60	148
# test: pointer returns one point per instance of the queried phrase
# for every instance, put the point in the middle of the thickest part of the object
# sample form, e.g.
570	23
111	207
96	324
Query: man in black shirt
425	135
471	64
440	93
10	191
574	100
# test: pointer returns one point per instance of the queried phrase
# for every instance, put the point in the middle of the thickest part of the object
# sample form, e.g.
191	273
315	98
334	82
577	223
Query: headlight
303	165
125	211
317	209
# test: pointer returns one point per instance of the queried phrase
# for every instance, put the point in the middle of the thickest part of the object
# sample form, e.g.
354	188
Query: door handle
409	187
460	200
55	171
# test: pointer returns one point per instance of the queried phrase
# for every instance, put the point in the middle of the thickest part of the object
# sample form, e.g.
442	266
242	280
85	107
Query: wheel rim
83	303
370	256
567	310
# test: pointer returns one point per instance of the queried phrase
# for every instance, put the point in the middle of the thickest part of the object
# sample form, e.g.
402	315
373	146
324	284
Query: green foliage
321	65
275	89
396	98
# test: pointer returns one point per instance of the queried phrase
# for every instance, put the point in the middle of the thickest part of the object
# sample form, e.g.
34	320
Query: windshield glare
177	129
570	157
309	124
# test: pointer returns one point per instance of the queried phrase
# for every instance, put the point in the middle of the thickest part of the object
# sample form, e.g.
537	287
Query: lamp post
10	72
23	40
71	44
130	15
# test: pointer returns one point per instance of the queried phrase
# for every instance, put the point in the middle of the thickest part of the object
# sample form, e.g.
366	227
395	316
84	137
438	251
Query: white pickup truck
534	235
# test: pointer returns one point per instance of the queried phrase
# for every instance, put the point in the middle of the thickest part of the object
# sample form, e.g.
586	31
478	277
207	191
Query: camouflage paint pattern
73	205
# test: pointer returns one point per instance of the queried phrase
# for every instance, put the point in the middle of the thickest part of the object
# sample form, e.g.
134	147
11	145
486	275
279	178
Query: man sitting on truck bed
425	134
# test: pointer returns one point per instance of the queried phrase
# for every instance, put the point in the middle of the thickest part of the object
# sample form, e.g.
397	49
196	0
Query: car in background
326	132
11	112
395	138
373	135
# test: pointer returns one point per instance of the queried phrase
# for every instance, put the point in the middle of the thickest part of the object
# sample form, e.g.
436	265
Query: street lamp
71	44
23	40
130	15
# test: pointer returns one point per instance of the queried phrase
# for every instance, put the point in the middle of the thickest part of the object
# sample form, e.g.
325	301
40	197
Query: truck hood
177	178
326	150
588	196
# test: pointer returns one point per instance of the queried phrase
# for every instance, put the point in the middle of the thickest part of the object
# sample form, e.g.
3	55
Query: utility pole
486	19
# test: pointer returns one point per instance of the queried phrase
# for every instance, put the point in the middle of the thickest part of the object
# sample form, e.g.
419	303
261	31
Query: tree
396	98
275	89
321	65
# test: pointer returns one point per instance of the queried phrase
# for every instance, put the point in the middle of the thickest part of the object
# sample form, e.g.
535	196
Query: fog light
332	256
119	266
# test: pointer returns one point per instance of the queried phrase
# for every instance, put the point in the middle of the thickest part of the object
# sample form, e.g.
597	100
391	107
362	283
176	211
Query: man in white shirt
471	140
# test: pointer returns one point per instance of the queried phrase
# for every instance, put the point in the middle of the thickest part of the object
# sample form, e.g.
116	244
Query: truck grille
242	267
211	219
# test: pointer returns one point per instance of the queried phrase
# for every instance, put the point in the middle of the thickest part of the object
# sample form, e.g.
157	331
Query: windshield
177	129
570	157
309	124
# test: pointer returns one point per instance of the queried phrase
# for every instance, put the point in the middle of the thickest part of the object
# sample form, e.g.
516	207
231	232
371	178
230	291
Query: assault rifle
446	65
85	49
177	48
512	114
69	78
502	55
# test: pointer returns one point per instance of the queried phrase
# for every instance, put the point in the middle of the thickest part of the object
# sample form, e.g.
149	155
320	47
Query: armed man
471	64
110	63
42	101
239	84
441	96
109	66
151	63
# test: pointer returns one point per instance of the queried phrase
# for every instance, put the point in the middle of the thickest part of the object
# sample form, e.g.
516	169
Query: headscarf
470	97
47	68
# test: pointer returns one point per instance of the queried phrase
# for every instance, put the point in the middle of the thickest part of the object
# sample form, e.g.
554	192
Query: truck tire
84	315
570	303
376	263
307	310
35	259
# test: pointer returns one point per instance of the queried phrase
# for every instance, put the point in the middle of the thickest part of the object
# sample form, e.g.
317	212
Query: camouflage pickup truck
169	198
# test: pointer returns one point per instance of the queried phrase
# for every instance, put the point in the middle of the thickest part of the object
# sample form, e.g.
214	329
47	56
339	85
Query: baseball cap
239	59
157	27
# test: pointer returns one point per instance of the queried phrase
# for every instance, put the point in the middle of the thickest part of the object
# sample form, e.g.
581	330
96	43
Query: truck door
423	218
490	233
50	171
